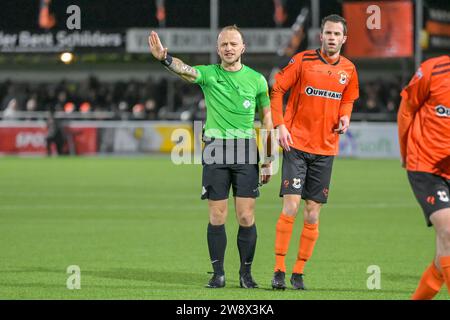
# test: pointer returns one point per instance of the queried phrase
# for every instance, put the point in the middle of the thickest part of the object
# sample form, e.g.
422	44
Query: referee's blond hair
233	28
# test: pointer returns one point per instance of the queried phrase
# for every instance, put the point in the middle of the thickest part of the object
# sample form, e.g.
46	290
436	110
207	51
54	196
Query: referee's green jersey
232	97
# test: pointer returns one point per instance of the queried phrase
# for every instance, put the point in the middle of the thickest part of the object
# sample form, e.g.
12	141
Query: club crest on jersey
343	76
419	73
246	104
311	91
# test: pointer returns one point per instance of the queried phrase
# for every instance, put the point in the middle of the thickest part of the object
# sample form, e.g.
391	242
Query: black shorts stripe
440	72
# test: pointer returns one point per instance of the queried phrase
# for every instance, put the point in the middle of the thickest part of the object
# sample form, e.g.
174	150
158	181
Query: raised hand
156	47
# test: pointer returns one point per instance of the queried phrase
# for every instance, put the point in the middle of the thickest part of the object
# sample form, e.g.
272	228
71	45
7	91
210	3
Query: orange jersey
321	92
424	121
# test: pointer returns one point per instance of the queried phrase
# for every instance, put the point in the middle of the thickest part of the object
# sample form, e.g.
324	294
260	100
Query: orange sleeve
351	92
346	109
284	80
417	90
413	96
405	118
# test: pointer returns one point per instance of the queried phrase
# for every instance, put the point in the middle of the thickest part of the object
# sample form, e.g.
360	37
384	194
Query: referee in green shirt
233	93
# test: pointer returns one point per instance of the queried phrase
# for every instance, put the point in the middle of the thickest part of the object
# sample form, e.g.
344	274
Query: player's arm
267	125
405	118
413	97
345	112
284	80
175	65
350	94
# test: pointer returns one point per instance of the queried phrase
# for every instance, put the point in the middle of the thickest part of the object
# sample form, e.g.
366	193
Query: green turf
137	229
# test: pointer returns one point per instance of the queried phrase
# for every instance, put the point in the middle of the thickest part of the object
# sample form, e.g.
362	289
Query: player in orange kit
323	87
424	136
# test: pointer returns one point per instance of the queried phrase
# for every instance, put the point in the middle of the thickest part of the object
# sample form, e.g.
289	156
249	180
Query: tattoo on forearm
182	69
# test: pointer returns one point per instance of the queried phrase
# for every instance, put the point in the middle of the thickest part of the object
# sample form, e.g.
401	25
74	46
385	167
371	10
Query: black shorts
306	174
230	163
431	191
217	179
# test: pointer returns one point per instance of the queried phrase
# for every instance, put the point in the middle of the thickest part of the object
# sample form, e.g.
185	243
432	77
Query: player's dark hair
235	28
334	18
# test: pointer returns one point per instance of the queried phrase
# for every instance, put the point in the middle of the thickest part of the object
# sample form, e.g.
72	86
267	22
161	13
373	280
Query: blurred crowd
148	99
140	98
379	96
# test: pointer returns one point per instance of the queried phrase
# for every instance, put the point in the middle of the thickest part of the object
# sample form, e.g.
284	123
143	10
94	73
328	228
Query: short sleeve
262	96
202	75
351	92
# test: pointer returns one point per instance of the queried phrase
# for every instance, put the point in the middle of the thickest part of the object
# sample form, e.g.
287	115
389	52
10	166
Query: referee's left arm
266	170
267	124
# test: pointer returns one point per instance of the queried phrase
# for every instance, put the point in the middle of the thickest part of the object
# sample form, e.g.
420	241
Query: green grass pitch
136	227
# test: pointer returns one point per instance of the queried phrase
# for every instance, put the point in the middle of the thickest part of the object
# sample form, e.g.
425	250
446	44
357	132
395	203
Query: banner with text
59	41
180	40
363	140
30	139
370	140
93	137
438	28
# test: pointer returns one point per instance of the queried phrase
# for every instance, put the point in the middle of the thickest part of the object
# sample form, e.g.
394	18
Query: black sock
246	241
217	242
